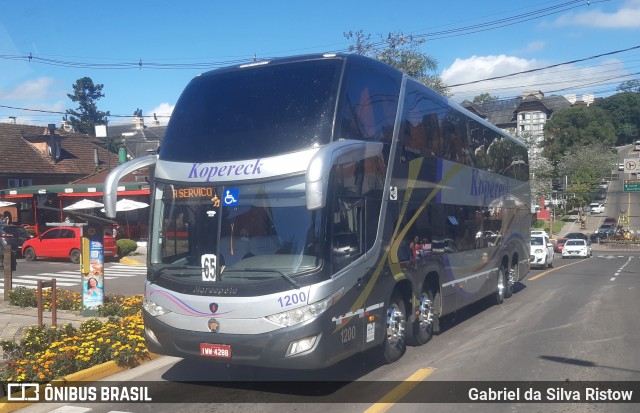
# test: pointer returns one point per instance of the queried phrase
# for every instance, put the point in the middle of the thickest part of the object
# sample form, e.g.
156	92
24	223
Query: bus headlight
153	308
302	314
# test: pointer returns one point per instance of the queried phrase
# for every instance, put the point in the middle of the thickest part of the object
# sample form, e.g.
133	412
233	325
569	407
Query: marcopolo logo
487	189
207	172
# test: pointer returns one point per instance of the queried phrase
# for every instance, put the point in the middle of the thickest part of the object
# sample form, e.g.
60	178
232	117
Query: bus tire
30	254
512	278
423	327
74	256
394	344
502	282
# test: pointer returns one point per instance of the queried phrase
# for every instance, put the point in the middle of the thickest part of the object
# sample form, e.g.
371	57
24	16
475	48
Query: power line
546	67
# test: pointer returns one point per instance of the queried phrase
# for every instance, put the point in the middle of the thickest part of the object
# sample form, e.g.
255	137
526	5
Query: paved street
68	278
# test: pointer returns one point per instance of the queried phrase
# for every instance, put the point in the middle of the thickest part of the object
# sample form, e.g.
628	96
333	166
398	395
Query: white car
539	233
596	208
541	251
576	248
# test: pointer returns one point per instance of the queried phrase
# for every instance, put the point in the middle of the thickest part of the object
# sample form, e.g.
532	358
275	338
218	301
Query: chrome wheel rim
395	325
425	315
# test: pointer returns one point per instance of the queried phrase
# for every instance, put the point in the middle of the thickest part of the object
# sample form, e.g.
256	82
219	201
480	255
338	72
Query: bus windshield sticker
230	197
216	201
208	267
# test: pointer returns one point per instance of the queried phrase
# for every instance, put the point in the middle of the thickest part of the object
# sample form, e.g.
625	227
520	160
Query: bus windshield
260	231
231	115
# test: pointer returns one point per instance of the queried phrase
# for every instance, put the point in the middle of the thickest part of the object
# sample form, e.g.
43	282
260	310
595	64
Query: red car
62	242
558	245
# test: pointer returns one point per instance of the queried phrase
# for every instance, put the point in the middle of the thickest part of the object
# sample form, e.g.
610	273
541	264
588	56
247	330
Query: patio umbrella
84	204
129	205
125	205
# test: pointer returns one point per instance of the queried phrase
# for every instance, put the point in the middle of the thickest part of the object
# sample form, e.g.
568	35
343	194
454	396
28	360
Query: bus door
347	245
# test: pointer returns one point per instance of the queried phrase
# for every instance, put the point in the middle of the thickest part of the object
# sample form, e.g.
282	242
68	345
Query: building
138	139
526	114
42	170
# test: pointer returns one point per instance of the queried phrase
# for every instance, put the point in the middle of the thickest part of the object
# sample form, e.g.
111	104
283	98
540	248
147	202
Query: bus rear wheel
501	285
394	344
423	327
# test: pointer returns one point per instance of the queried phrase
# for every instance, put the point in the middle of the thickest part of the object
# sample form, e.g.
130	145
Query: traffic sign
631	165
632	185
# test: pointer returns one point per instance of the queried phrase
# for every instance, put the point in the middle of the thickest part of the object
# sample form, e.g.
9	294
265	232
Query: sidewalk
14	321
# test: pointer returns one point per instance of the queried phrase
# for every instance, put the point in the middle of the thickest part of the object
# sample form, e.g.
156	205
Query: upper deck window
254	112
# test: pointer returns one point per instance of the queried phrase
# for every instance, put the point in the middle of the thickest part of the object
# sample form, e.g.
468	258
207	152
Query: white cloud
162	111
31	89
628	16
532	47
483	67
559	80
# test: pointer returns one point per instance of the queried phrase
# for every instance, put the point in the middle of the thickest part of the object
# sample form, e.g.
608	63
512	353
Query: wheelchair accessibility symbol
230	197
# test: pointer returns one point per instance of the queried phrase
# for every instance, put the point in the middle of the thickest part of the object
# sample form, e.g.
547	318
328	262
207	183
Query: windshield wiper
156	273
283	275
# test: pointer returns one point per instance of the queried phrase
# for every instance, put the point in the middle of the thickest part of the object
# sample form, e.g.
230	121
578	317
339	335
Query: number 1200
292	299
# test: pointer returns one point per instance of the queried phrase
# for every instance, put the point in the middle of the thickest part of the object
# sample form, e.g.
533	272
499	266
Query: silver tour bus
305	209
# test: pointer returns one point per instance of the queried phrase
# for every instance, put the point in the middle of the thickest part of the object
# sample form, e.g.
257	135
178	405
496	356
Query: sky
145	52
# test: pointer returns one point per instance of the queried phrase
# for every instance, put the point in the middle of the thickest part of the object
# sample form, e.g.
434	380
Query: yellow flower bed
47	353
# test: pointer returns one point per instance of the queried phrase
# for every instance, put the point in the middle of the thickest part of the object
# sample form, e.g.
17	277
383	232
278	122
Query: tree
629	86
541	170
585	167
86	115
573	128
624	110
484	97
402	52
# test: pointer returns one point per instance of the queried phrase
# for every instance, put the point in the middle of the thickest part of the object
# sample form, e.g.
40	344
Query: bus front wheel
394	344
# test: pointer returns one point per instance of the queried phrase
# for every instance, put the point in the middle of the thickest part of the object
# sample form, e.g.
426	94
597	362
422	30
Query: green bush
126	247
23	297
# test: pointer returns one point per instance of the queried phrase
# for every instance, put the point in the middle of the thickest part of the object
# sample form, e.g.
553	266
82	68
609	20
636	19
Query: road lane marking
542	274
401	390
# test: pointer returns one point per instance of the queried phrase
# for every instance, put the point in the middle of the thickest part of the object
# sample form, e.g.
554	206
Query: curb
130	261
91	374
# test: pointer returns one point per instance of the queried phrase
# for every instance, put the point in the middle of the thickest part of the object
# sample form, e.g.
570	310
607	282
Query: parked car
12	235
541	252
576	248
559	244
577	235
62	242
596	208
607	230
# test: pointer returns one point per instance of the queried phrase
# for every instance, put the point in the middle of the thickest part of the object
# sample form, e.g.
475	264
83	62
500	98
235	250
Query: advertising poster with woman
93	281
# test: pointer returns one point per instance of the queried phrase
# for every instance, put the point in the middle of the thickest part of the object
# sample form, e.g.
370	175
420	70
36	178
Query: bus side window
348	231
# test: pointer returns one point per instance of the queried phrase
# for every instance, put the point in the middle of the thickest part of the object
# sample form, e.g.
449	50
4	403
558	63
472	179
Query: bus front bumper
261	350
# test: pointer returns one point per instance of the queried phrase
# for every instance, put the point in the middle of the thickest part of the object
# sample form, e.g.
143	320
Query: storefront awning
73	190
